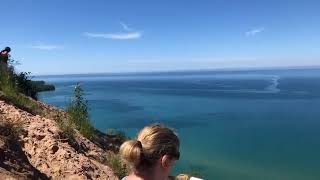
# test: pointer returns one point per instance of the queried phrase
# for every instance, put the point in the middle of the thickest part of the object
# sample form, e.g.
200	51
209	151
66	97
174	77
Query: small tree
78	113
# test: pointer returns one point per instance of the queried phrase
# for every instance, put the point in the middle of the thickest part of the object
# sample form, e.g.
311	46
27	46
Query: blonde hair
152	142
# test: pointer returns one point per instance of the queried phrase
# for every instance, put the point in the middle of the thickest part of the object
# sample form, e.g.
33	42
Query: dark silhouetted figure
4	56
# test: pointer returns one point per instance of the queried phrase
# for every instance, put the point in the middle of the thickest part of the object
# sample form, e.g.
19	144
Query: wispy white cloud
115	36
129	34
47	47
255	31
125	26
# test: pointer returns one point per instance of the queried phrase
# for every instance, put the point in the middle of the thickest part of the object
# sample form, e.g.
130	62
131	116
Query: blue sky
74	36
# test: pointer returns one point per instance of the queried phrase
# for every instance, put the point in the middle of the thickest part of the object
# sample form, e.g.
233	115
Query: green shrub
42	86
25	85
7	84
120	135
11	94
114	162
12	81
78	113
67	128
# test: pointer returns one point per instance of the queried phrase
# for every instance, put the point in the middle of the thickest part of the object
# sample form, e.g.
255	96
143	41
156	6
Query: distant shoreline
177	72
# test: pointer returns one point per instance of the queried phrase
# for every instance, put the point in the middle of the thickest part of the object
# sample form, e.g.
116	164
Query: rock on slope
49	153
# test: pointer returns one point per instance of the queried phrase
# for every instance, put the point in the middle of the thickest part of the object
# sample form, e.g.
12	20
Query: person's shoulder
124	178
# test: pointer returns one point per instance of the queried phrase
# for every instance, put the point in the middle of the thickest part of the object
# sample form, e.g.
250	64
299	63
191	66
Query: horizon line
309	67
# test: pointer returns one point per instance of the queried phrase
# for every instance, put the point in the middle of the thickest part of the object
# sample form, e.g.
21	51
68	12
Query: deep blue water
232	124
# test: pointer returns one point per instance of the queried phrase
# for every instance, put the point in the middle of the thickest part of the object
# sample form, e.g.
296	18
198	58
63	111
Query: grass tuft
114	162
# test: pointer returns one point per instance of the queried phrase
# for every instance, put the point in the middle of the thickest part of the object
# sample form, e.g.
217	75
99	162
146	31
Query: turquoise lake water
232	124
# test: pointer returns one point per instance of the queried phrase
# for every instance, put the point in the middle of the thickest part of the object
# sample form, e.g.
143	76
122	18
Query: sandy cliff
44	153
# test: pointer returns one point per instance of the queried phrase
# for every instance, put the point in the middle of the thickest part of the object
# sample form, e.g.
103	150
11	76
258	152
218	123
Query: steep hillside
44	151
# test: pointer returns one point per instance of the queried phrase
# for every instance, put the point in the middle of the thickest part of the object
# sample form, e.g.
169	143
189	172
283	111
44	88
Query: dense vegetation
42	86
13	85
21	81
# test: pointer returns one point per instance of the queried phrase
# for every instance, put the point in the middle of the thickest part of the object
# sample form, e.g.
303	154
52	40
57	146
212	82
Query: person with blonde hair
152	154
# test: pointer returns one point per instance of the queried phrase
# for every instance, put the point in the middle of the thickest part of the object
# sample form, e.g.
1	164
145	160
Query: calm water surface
232	125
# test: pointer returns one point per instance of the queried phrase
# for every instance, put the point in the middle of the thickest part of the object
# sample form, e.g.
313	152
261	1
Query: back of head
8	49
152	142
